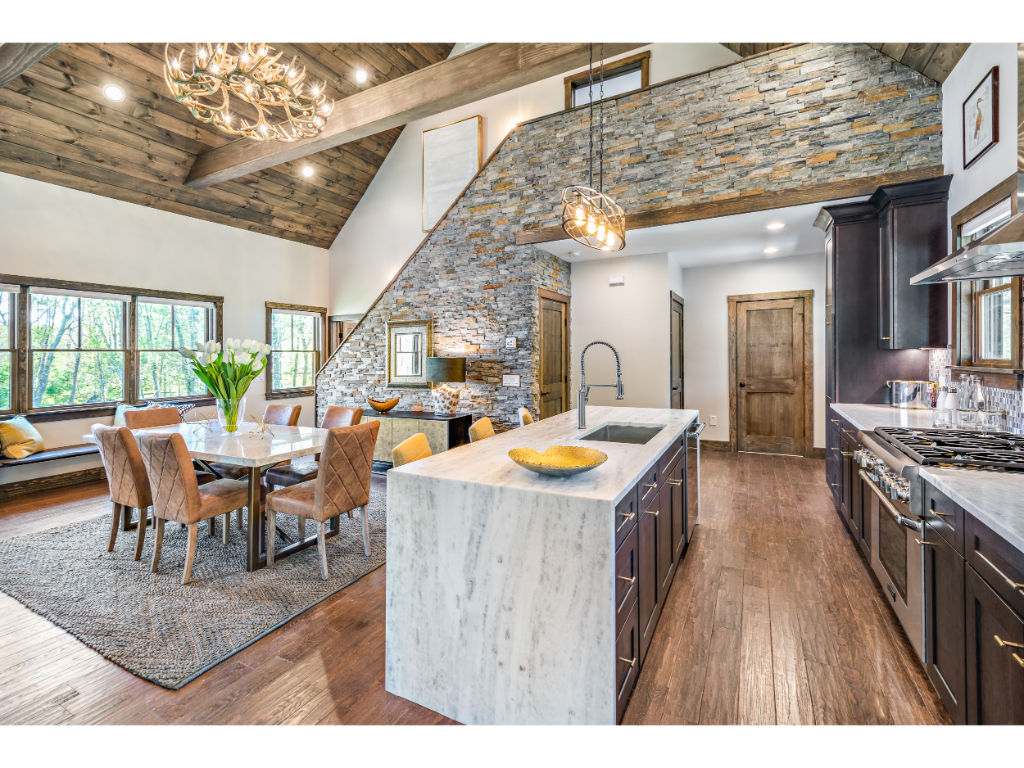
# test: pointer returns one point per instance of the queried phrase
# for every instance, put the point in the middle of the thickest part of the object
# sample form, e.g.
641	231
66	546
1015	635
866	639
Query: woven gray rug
148	622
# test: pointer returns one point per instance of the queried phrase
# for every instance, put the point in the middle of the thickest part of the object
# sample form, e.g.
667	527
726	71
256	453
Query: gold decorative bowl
383	406
558	460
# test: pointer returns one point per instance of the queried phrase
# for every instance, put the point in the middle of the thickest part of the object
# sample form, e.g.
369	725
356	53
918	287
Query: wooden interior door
771	374
554	353
676	351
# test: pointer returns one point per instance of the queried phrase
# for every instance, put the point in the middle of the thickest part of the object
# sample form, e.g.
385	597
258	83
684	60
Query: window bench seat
67	452
21	487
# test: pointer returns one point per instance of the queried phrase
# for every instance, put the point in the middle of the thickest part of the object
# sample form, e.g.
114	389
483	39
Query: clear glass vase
231	412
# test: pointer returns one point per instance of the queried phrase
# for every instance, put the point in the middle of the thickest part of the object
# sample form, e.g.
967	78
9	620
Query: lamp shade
446	369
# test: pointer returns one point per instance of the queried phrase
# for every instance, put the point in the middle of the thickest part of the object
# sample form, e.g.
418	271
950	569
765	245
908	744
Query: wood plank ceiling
56	126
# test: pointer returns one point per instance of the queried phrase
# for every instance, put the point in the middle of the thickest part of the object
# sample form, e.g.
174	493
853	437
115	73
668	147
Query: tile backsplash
1007	400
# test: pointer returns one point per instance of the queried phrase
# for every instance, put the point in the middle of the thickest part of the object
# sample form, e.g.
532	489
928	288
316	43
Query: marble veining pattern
866	417
501	584
994	498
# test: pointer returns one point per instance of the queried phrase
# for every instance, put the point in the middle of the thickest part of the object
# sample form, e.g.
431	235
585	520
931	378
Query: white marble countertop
244	448
487	462
994	498
867	417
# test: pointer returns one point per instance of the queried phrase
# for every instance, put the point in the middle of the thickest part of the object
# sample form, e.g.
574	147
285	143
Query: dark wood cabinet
649	583
627	661
677	483
911	237
663	524
850	482
995	657
945	650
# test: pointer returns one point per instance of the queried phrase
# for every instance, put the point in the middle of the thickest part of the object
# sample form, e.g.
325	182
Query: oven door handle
907	522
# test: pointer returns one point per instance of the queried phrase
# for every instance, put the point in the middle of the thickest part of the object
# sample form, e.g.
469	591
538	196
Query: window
622	76
295	335
8	300
163	327
77	349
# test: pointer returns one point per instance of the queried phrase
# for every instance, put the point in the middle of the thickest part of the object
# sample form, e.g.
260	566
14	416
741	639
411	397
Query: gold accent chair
126	478
179	498
479	430
525	417
411	449
341	485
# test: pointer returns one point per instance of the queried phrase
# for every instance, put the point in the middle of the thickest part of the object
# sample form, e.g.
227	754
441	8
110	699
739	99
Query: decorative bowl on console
558	460
383	406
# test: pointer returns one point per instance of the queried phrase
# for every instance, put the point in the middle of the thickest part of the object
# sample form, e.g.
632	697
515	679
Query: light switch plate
616	280
510	380
511	342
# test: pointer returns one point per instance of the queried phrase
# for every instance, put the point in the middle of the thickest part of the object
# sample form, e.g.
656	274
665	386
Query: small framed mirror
410	343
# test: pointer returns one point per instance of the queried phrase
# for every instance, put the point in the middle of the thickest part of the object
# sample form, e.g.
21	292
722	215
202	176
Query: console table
443	431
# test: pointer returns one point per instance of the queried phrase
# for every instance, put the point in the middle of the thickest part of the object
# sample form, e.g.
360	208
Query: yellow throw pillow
18	438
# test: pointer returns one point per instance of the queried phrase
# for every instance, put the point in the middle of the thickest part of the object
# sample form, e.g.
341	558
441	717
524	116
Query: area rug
148	622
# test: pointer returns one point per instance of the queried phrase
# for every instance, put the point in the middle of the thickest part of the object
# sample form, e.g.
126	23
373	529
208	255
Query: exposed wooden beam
476	74
15	58
933	60
764	201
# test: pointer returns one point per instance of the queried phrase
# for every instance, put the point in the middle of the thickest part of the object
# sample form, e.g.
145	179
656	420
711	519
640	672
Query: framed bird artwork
981	118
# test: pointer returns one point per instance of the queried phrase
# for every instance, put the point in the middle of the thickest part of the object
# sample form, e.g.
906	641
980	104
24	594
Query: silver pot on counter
910	394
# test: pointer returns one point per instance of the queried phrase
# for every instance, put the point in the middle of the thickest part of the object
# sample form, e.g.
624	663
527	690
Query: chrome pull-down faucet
584	391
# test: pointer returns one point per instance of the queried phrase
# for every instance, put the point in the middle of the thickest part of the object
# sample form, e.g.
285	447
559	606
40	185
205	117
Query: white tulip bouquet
228	372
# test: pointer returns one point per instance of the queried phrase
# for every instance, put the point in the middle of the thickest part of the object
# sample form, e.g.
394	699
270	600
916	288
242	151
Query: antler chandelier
589	216
210	76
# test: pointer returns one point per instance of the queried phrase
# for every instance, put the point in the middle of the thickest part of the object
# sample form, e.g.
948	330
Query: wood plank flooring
773	618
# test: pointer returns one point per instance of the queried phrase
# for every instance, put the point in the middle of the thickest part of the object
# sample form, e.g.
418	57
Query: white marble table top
487	462
867	417
244	448
994	498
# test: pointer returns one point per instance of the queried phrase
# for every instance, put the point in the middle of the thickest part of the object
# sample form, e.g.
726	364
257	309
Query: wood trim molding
544	293
15	58
807	296
280	394
612	69
762	201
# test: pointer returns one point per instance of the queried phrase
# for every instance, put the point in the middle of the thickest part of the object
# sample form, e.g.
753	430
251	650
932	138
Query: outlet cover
510	380
511	342
616	280
714	421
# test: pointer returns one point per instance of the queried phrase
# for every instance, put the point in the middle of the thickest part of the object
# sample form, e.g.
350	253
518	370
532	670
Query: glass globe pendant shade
593	219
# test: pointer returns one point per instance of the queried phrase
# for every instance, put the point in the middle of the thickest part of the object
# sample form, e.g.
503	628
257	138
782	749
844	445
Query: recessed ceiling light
361	76
113	92
774	226
307	171
771	249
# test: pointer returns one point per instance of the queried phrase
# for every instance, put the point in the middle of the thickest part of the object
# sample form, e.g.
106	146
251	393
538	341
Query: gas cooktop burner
958	448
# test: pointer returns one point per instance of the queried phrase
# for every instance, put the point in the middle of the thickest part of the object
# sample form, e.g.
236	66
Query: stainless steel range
890	459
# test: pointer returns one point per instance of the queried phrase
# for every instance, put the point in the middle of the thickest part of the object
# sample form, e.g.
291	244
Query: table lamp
443	370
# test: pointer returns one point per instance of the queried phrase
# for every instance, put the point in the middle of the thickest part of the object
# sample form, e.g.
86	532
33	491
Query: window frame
210	327
21	375
640	61
321	335
13	344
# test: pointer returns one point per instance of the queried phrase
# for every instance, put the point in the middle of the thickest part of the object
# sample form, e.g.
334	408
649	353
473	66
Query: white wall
55	232
706	342
1001	160
633	318
386	226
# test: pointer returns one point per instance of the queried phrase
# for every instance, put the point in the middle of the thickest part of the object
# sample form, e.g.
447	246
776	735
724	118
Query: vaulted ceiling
56	126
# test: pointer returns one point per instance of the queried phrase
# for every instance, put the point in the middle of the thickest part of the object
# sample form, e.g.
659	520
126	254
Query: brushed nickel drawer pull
652	512
631	662
650	486
1019	586
627	579
925	543
931	511
885	338
1018	659
846	453
1004	643
674	482
626	517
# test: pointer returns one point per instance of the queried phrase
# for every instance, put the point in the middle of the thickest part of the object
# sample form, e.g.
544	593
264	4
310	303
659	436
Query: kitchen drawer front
673	454
626	572
647	491
627	661
944	516
996	562
625	517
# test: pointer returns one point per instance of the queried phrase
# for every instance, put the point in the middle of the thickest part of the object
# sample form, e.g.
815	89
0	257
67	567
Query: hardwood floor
773	618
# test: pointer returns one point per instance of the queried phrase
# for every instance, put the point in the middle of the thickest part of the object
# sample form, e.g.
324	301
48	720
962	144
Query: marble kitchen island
502	604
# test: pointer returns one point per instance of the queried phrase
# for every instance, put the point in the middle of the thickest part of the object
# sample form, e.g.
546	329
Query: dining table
255	447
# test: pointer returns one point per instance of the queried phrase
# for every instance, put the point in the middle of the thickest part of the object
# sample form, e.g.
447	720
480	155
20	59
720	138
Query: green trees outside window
163	328
7	300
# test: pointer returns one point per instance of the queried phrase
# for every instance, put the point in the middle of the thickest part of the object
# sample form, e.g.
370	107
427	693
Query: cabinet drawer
625	579
625	517
944	516
672	454
996	562
647	491
627	661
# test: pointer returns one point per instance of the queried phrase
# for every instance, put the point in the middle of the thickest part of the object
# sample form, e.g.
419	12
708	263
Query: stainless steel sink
636	434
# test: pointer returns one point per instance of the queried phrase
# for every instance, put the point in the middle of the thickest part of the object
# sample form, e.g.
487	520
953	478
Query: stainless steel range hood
1000	253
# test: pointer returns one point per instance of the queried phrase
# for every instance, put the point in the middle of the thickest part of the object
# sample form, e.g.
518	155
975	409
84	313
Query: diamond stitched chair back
126	479
525	417
411	449
147	418
481	429
341	486
178	497
295	472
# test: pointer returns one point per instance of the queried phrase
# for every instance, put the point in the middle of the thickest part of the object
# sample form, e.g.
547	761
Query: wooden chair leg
271	535
227	528
157	541
321	546
115	522
141	537
190	553
366	529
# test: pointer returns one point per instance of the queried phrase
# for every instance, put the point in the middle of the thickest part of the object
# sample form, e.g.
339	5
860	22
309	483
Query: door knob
743	384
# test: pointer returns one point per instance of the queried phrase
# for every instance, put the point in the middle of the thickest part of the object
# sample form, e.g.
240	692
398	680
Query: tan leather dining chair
342	485
411	449
292	472
126	478
525	417
148	418
179	498
481	429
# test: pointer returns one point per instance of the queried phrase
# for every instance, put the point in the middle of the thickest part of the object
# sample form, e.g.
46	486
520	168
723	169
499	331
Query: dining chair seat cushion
295	500
222	496
292	473
122	462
